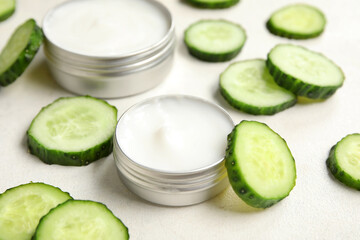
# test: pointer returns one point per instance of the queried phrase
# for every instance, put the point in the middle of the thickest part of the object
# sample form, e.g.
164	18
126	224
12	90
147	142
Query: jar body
106	75
149	154
112	85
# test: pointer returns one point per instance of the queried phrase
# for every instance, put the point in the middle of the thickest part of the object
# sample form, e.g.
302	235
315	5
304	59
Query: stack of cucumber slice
40	211
22	207
250	85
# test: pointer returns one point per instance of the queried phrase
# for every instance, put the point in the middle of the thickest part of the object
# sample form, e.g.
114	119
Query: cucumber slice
304	72
298	21
259	163
213	3
248	86
78	219
73	131
214	40
344	161
22	207
19	51
7	8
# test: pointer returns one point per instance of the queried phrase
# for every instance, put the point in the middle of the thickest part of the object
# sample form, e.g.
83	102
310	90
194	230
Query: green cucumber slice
297	21
213	3
19	51
344	160
304	72
22	207
73	131
248	86
259	163
214	40
79	219
7	8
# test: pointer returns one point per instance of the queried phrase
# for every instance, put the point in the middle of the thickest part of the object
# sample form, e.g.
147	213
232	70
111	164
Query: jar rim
140	53
119	151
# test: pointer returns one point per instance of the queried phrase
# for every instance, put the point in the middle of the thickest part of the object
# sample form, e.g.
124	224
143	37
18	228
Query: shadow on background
229	201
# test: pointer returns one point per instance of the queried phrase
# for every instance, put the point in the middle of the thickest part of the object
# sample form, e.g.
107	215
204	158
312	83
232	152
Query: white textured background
317	208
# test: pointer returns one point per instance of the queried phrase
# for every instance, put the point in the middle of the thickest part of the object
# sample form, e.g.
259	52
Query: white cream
174	134
106	27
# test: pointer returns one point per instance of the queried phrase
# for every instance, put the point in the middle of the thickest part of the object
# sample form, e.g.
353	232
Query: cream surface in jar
174	134
106	27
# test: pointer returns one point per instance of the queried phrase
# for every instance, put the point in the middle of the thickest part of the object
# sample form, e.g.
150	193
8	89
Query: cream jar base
175	198
113	86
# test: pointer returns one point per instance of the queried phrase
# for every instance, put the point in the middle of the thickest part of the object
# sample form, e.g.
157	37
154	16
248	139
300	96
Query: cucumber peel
213	4
7	8
22	207
19	51
73	131
260	166
344	161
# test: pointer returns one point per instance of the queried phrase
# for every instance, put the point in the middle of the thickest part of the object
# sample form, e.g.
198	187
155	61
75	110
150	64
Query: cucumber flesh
22	207
19	51
344	161
259	163
304	72
7	8
298	21
213	4
73	131
79	219
248	86
214	40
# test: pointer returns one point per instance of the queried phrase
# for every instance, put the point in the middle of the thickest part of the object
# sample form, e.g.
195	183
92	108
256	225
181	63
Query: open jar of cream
109	48
169	150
